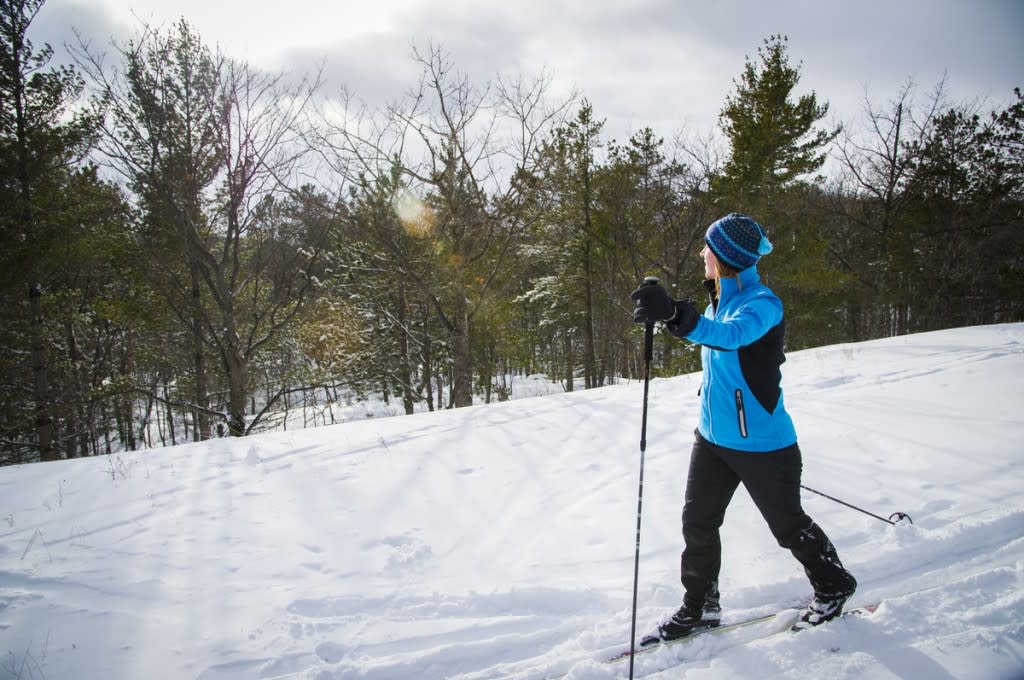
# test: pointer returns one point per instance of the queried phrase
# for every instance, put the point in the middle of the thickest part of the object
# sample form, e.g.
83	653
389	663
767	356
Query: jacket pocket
741	413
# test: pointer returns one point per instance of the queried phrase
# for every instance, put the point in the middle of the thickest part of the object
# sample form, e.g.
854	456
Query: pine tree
41	136
773	139
775	147
565	243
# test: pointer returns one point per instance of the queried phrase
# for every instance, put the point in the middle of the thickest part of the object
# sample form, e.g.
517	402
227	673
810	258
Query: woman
744	433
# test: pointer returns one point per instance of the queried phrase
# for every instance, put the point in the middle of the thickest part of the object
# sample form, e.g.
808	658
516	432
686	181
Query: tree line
195	248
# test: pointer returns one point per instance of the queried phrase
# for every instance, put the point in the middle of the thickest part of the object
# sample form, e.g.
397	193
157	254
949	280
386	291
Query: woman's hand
653	303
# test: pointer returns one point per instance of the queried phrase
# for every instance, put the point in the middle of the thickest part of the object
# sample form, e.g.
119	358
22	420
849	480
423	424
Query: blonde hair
723	271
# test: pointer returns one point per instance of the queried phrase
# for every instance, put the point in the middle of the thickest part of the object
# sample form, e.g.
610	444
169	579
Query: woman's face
710	263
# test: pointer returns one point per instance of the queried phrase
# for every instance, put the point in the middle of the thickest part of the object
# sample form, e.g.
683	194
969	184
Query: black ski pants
773	481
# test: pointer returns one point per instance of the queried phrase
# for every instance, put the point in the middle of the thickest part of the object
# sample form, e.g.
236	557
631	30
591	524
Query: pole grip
649	326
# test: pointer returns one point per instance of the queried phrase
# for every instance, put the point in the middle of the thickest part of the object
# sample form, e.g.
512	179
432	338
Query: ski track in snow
497	541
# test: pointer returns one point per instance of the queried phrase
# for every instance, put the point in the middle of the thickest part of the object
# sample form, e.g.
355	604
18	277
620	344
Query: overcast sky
667	64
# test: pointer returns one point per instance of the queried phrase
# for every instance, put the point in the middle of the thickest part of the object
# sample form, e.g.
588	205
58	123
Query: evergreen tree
966	216
574	148
775	147
42	135
646	226
564	247
773	139
165	117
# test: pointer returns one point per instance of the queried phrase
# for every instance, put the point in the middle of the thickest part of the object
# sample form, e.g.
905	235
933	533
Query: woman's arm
741	327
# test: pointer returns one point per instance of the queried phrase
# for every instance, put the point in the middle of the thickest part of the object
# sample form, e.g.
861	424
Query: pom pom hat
738	241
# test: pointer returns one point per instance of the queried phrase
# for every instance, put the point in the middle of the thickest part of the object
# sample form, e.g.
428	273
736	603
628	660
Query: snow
498	541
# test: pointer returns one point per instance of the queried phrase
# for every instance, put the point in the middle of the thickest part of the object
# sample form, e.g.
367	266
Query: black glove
685	319
652	302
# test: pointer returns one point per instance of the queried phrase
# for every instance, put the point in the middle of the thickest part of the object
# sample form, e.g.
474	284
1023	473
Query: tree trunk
570	373
589	360
407	377
428	363
462	360
41	385
201	430
237	368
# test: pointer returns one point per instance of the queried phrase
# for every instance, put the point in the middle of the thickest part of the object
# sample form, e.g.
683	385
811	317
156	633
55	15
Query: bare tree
210	147
878	181
256	266
465	156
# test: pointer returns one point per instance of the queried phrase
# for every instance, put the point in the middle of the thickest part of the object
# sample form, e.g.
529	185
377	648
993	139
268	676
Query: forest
195	248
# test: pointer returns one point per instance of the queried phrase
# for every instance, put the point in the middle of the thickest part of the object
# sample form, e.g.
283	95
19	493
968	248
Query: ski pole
900	516
648	353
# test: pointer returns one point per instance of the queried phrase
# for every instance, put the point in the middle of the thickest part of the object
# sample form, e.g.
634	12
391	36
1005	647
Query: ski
786	619
771	624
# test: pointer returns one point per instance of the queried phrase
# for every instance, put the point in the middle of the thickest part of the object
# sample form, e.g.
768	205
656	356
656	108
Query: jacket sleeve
741	327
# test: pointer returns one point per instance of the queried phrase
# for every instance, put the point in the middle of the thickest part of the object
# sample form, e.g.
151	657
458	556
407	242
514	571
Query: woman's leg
773	481
710	485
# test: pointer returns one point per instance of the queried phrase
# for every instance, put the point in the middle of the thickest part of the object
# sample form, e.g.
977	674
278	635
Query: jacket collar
746	278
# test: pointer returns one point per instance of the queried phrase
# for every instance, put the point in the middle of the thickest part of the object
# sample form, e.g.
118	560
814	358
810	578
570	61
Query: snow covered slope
497	541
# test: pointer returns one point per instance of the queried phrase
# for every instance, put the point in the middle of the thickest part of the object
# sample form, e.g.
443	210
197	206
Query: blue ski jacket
741	338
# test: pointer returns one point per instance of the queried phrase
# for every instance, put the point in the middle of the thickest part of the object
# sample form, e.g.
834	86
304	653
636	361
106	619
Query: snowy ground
497	541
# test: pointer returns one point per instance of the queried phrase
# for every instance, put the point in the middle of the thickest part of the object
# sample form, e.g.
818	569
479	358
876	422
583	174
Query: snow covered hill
497	541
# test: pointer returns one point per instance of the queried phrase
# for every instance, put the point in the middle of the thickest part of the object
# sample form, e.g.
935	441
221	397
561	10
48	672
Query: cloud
59	20
634	77
659	63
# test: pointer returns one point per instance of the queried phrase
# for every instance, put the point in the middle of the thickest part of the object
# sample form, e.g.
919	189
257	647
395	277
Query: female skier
744	433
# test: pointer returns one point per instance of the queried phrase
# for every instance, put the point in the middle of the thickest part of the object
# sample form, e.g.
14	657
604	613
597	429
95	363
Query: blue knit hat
738	241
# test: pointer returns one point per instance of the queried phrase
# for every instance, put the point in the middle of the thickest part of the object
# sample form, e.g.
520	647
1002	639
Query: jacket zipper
711	415
741	413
